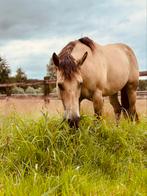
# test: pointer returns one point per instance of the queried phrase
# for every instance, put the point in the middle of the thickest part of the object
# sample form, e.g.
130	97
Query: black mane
88	42
66	61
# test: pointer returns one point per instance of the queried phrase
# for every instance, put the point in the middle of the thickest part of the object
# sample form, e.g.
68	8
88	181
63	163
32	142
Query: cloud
131	3
32	55
22	19
31	31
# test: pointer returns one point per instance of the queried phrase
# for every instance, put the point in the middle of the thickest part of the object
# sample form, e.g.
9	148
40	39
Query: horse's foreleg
98	103
116	106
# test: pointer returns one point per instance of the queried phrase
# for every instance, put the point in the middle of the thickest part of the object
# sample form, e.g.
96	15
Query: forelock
68	66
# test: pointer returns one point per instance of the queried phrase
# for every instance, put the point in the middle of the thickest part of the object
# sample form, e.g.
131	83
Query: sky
30	31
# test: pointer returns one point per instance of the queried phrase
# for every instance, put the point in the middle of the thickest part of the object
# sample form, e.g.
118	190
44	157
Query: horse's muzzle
74	123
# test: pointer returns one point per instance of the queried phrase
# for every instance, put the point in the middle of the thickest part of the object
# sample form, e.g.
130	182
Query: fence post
8	91
46	89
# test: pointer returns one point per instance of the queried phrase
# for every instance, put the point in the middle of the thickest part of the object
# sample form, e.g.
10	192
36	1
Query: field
39	155
34	106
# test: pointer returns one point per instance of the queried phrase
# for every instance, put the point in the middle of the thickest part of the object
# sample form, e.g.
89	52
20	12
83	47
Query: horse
88	70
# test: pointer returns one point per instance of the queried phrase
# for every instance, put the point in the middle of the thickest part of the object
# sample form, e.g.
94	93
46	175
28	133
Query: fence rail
34	83
143	73
141	94
46	83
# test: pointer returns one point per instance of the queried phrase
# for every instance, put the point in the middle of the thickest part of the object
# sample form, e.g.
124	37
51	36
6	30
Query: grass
45	157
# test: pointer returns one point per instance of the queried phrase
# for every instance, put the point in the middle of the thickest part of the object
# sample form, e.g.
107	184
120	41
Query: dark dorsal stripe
88	42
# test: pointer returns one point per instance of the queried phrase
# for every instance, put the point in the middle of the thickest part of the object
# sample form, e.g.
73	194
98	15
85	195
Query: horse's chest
86	93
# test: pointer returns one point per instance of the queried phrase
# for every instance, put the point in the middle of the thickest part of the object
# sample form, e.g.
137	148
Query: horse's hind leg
116	106
131	91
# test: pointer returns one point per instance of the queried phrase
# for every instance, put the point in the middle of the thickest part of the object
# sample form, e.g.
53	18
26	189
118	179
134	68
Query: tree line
21	76
5	75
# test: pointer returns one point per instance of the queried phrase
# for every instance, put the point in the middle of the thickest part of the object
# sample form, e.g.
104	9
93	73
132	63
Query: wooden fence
46	88
143	73
46	83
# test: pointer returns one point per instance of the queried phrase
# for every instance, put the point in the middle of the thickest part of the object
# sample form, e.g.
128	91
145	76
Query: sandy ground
35	106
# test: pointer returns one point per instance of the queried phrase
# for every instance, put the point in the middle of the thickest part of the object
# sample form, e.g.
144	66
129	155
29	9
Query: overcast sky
30	31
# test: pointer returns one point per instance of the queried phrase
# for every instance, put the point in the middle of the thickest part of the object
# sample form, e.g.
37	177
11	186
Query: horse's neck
79	50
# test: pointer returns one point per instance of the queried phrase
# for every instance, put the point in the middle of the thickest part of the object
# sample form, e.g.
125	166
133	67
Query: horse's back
108	67
124	50
121	63
121	60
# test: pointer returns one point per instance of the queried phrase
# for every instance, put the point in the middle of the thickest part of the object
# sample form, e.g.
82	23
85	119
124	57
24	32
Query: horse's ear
81	61
55	59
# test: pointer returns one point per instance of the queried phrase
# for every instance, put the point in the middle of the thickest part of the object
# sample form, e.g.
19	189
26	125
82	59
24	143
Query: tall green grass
45	157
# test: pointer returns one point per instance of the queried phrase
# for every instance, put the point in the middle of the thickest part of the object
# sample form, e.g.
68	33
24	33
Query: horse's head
69	82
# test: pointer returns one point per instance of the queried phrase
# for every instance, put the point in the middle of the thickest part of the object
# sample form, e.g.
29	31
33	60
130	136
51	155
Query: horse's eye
61	87
80	84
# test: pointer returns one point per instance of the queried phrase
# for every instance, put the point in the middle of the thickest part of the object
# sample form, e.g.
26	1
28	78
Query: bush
30	90
39	90
142	85
54	90
17	90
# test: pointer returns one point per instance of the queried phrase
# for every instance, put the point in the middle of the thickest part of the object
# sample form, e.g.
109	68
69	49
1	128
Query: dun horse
88	70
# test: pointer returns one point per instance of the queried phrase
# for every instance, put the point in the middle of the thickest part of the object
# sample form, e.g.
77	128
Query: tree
4	71
20	75
4	75
51	72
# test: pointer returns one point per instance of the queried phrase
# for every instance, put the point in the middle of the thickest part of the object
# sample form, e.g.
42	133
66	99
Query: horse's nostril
69	121
74	122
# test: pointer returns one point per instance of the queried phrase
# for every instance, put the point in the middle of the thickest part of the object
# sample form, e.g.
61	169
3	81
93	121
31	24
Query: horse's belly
109	92
117	76
114	85
86	93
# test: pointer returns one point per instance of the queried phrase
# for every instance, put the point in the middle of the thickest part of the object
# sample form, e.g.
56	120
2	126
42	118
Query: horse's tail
124	100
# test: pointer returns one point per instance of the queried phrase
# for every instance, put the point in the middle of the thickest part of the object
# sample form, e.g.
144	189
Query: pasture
39	155
35	106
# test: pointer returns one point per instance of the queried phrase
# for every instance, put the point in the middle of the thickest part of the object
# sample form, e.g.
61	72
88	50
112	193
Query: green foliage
45	157
39	90
30	90
51	72
4	75
17	90
142	85
4	71
54	90
20	75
